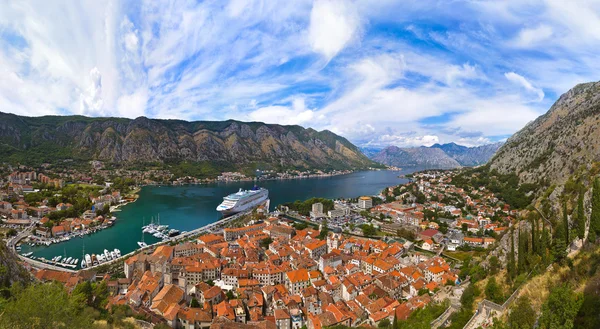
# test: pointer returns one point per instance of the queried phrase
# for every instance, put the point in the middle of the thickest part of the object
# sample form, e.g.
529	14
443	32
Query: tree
368	230
580	215
595	217
544	244
511	257
464	227
44	306
324	230
264	243
560	308
385	323
566	223
194	303
522	315
494	265
559	250
521	254
493	291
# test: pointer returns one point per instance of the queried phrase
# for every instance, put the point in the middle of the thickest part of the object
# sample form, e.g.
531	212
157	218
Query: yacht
83	264
118	252
113	255
242	200
88	260
107	255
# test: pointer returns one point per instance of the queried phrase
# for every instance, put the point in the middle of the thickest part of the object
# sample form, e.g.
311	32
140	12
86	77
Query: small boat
68	260
113	255
58	258
94	260
88	260
142	244
106	254
83	264
118	252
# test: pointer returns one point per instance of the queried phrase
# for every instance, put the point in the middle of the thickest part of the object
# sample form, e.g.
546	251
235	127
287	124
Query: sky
404	73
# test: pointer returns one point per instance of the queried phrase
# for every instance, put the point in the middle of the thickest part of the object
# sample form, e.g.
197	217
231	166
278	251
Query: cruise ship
242	200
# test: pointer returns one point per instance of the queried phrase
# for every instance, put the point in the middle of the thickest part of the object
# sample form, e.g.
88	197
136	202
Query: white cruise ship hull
242	204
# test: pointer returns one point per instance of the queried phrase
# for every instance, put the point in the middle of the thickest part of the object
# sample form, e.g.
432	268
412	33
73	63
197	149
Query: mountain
369	151
558	143
218	144
10	269
469	156
426	157
439	156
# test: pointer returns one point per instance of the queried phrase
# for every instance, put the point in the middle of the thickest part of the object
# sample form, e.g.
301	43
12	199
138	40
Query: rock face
146	140
438	156
469	156
425	157
557	143
10	270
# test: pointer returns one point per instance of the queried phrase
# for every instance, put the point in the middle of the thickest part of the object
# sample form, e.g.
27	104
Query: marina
187	208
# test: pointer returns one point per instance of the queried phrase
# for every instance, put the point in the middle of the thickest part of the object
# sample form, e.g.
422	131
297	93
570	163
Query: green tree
512	270
560	309
194	303
522	315
521	254
544	245
324	230
264	243
559	250
494	265
493	291
384	324
580	215
595	217
44	306
566	223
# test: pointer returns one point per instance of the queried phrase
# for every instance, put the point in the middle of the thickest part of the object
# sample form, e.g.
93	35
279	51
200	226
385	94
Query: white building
365	202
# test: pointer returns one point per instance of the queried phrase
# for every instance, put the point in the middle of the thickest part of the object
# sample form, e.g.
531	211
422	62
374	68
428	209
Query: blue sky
380	73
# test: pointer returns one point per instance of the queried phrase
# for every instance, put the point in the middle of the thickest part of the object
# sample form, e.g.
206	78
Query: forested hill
223	144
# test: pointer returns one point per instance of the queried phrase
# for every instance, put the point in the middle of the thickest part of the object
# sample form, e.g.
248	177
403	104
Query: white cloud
520	80
133	105
91	101
531	37
404	141
333	23
297	114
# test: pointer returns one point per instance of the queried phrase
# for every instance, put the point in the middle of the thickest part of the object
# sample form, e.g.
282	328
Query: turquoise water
189	207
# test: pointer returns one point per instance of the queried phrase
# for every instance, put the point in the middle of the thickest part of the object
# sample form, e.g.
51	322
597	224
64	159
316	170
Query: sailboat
142	244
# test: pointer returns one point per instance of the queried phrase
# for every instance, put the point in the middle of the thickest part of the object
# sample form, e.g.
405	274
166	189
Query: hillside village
275	273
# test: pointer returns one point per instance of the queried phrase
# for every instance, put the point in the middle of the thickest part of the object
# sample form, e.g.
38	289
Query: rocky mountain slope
469	156
223	143
557	143
10	270
439	156
425	157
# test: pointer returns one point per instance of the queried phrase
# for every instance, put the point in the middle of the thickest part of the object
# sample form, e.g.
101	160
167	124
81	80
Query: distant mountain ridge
438	156
221	145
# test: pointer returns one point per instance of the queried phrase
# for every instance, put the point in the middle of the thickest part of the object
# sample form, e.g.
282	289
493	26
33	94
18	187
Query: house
297	280
431	234
316	248
427	244
283	319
